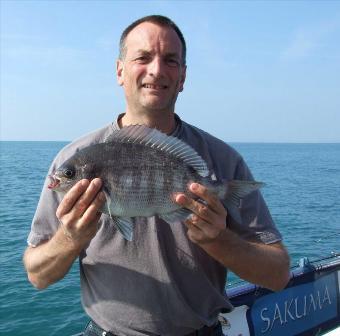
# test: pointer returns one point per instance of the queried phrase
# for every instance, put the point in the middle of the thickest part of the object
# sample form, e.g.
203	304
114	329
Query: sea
302	192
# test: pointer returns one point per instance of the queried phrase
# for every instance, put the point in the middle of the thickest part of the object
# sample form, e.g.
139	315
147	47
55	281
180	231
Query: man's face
151	73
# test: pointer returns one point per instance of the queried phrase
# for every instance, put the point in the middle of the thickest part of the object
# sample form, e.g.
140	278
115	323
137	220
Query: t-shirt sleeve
257	223
45	223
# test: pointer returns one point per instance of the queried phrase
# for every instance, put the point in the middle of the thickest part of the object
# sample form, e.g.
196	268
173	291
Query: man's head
151	66
159	20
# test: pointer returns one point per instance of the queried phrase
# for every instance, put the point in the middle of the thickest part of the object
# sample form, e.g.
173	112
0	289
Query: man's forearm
50	261
265	265
78	214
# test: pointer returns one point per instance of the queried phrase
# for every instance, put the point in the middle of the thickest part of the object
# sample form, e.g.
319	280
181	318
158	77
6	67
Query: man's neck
165	122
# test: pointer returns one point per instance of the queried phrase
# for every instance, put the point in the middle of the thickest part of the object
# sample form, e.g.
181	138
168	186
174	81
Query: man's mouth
54	182
154	86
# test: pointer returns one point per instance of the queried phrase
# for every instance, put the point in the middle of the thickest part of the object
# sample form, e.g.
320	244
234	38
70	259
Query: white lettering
326	297
287	310
312	302
294	309
297	308
265	319
318	300
305	305
277	316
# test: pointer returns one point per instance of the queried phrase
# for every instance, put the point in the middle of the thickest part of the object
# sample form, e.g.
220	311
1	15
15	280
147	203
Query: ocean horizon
228	142
302	192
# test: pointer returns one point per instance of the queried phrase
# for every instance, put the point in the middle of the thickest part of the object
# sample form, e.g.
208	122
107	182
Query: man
170	279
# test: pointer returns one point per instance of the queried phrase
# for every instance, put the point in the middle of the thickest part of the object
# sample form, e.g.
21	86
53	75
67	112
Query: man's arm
265	265
78	214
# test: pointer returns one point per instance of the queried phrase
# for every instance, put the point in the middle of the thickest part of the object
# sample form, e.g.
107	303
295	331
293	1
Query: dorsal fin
153	138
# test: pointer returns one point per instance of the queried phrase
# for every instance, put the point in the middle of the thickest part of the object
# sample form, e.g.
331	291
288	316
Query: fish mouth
54	182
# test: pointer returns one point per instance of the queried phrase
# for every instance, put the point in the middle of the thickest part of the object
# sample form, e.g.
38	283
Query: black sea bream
142	169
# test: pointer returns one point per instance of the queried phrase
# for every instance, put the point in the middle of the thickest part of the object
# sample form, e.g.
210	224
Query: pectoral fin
124	226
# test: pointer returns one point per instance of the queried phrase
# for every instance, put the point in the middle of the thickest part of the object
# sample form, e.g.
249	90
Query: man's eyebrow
172	54
147	52
143	51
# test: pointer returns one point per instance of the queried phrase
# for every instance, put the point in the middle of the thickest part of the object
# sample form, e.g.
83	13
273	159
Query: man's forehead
146	32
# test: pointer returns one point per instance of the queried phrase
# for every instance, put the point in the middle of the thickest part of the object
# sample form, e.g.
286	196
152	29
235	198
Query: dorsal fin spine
141	134
170	143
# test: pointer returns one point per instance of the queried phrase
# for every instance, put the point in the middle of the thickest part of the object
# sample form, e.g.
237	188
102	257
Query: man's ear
120	72
183	76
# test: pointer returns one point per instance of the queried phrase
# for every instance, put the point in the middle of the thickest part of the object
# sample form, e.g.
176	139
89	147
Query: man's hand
78	212
208	220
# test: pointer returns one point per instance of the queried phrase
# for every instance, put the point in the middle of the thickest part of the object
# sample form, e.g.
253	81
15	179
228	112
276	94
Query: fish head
64	178
79	166
70	172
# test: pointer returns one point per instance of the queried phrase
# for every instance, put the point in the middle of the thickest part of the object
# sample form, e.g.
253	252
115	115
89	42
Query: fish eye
69	173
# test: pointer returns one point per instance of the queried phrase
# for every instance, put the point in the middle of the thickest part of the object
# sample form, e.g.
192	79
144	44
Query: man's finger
203	193
185	201
91	213
71	198
194	232
201	225
87	197
202	210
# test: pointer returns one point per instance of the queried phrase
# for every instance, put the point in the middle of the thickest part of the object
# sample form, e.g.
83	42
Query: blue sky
258	71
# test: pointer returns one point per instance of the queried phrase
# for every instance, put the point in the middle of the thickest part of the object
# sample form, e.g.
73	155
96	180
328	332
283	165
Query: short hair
160	20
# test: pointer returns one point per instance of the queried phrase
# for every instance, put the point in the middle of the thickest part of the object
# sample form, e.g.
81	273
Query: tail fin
235	191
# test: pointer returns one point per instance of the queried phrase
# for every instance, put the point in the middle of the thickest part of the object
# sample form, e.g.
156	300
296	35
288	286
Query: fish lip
54	182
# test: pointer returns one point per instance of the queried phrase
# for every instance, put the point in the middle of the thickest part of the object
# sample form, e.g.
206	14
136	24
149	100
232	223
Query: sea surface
302	191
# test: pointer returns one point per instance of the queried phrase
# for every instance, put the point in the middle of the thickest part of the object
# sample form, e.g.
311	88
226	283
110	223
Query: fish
142	169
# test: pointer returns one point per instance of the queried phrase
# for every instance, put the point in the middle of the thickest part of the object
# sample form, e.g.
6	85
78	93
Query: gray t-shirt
160	283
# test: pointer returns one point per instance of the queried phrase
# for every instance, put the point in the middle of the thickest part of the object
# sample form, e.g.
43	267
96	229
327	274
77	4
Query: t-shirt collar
175	133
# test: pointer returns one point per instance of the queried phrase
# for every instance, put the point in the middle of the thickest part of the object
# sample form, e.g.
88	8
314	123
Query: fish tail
232	192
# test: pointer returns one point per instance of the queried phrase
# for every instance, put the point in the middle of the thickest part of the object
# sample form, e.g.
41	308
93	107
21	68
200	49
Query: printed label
296	309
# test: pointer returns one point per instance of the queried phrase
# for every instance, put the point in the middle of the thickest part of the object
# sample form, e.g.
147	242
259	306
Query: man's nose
155	67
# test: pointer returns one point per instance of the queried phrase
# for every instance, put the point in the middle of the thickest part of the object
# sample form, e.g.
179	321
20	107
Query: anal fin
124	225
178	215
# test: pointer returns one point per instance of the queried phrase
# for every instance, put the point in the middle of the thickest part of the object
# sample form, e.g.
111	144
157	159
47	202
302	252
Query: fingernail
84	183
180	199
97	182
194	186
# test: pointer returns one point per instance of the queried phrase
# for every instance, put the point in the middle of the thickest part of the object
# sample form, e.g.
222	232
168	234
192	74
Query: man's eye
172	62
141	59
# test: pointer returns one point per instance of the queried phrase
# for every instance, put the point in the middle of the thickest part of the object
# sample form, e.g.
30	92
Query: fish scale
144	173
141	170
